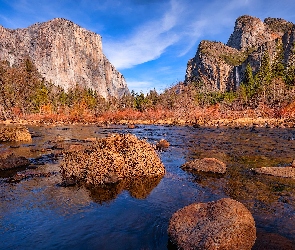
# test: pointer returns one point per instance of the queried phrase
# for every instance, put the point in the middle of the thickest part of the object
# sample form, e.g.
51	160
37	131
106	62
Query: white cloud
183	24
140	86
147	43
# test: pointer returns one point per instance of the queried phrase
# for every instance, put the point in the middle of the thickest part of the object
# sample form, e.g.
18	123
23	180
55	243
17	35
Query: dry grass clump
14	133
110	159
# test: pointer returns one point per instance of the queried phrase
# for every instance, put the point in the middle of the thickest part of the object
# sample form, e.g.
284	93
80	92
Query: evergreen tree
278	68
264	76
248	86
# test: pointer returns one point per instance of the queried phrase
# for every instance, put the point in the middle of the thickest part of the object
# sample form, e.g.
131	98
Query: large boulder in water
111	159
9	161
14	133
206	165
223	224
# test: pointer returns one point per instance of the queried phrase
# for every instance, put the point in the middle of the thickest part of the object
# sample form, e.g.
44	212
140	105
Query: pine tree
264	76
249	82
278	68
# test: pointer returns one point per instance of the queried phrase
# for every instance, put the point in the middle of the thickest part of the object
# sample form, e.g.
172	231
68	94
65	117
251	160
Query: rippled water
38	213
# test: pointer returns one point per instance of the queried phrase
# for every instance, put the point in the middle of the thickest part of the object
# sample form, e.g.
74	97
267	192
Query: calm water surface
38	213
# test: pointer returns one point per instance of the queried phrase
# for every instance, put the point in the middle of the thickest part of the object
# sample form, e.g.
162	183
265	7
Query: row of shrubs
24	92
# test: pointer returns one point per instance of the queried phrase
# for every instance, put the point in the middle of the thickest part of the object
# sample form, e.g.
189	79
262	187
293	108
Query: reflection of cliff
138	188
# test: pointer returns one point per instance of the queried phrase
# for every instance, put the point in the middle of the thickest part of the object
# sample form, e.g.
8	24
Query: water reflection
138	188
135	214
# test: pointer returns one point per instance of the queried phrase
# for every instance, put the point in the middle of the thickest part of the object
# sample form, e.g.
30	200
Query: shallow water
38	213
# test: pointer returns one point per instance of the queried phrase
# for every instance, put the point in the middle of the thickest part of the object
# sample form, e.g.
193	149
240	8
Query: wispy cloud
147	43
183	24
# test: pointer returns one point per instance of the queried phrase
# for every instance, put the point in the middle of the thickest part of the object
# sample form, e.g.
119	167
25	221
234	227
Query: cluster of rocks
24	176
111	159
14	133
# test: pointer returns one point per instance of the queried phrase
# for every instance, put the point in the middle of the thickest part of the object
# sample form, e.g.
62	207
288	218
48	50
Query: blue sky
148	41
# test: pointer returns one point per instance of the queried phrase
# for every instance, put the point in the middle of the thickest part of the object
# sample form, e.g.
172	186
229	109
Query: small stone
286	172
162	144
206	165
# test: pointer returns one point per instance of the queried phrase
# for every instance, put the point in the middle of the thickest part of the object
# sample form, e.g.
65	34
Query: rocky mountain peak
220	67
248	32
64	54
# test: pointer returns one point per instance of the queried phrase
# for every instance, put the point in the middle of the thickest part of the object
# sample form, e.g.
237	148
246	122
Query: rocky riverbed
37	211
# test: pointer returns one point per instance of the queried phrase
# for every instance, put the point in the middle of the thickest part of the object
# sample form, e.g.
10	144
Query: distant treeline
269	93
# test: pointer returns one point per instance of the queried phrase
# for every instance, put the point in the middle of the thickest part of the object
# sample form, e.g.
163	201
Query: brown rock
206	165
9	161
131	126
287	172
111	159
223	224
162	144
14	133
272	241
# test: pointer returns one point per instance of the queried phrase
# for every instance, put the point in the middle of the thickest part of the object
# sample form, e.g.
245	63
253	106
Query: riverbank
201	122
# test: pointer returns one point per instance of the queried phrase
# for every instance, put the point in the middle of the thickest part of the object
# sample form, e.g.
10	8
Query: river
39	213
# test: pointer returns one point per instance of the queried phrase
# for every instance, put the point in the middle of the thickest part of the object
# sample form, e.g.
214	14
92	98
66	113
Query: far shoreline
226	122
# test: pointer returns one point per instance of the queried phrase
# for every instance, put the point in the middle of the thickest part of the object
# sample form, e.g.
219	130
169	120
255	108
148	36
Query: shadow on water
138	188
135	214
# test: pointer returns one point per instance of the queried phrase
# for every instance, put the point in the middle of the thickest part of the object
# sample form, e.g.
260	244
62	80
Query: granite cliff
221	67
64	54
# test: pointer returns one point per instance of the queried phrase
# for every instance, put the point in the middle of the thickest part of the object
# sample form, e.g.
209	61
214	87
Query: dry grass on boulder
14	133
111	159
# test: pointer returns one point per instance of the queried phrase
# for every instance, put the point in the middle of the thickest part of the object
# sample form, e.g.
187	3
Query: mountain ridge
224	69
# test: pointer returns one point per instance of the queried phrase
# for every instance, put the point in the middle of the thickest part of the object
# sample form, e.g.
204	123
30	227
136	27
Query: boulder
206	165
109	160
14	133
9	161
287	172
223	224
162	144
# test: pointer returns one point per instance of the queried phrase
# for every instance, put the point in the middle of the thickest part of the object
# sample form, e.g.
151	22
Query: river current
39	213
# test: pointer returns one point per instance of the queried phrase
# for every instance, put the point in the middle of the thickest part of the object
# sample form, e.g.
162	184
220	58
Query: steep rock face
220	67
209	67
65	54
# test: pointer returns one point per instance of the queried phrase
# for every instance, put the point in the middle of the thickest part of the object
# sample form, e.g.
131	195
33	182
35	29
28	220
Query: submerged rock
9	161
14	133
206	164
111	159
287	172
223	224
